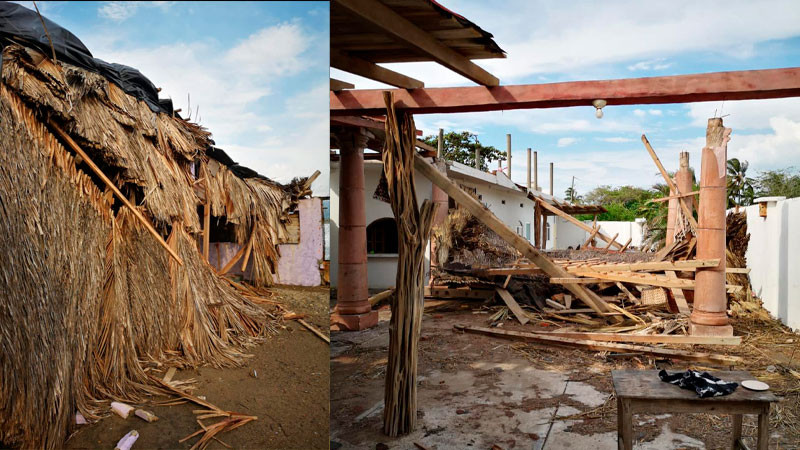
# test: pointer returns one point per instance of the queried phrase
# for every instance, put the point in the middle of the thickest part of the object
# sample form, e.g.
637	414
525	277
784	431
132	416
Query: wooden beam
627	243
638	278
739	85
573	220
372	71
595	229
339	85
74	146
645	338
602	346
653	265
402	30
625	290
687	211
574	280
671	197
229	265
513	305
484	215
613	240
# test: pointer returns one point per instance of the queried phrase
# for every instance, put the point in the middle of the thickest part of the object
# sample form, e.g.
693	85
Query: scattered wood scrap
603	346
513	305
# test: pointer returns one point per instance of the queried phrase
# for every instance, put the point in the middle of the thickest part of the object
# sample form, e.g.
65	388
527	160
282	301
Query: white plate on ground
755	385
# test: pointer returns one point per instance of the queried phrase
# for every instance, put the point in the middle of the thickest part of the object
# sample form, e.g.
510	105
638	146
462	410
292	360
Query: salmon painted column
439	197
683	179
353	311
709	317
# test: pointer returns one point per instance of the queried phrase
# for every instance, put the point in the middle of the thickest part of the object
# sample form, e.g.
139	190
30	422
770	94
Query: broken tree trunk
484	215
413	230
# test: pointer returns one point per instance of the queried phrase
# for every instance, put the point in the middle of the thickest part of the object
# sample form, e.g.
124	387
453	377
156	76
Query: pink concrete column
709	316
353	311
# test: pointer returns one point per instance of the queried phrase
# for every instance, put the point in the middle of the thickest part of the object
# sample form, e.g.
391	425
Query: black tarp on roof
24	26
239	170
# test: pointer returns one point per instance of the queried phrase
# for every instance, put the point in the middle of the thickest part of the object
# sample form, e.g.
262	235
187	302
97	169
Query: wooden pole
575	221
529	170
508	153
413	231
551	179
114	189
440	144
672	186
535	171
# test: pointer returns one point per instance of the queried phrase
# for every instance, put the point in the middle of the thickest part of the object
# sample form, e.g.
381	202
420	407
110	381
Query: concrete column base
710	330
355	322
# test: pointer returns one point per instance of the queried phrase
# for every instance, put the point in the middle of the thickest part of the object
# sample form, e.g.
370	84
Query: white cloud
654	64
271	51
567	141
639	112
616	140
745	114
238	99
655	112
120	11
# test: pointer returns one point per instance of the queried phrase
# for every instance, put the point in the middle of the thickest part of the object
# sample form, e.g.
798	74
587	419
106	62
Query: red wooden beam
741	85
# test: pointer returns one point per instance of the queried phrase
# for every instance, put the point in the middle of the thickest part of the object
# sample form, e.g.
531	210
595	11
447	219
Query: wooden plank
603	346
737	85
687	265
504	271
513	305
575	280
74	146
367	69
625	290
680	299
645	338
571	219
639	278
229	265
292	229
339	85
402	30
559	306
484	215
314	330
613	240
625	247
464	292
592	234
673	197
685	206
377	298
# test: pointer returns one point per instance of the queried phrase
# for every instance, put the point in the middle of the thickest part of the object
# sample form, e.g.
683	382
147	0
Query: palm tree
740	187
572	195
656	215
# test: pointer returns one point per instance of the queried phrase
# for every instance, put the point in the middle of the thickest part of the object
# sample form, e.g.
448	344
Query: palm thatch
90	298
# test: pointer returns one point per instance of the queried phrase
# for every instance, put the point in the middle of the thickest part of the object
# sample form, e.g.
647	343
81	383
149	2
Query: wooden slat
405	31
575	280
613	240
646	338
638	278
738	85
603	346
74	146
673	197
686	265
513	305
595	229
484	215
372	71
680	299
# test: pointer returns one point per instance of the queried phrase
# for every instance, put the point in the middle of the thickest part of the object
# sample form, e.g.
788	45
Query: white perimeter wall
773	257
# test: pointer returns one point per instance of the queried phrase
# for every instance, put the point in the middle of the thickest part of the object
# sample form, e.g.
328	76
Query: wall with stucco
773	256
299	264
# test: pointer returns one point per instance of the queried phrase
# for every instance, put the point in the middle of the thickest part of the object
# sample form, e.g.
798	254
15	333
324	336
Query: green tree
461	146
782	182
740	187
655	214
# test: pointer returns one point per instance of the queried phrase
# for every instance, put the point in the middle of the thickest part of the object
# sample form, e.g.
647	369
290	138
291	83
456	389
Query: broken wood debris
603	346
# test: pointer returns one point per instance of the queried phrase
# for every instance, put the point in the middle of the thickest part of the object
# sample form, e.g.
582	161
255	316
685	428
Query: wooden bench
642	391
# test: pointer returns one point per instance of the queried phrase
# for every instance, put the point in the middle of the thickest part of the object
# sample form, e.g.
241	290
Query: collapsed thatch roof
89	297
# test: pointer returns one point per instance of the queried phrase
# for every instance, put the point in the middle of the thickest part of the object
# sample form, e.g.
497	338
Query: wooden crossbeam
367	69
738	85
595	229
339	85
402	30
613	240
524	246
581	280
680	299
655	265
646	338
638	278
673	197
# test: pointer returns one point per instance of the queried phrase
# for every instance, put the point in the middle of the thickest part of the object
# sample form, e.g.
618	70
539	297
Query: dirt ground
289	392
478	391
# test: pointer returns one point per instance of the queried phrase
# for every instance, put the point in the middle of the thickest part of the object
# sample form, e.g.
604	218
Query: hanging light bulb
599	105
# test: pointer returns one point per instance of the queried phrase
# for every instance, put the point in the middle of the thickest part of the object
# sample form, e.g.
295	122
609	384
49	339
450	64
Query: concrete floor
476	392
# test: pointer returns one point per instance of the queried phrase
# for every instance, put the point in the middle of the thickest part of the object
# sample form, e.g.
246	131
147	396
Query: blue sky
549	41
257	70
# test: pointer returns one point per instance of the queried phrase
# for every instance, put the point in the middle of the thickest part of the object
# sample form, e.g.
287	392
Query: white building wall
626	230
773	256
516	212
381	269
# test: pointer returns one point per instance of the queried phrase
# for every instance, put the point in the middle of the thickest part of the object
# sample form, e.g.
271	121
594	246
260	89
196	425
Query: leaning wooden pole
74	146
413	230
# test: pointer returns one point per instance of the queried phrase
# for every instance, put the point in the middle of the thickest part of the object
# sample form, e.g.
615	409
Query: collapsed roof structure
102	185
